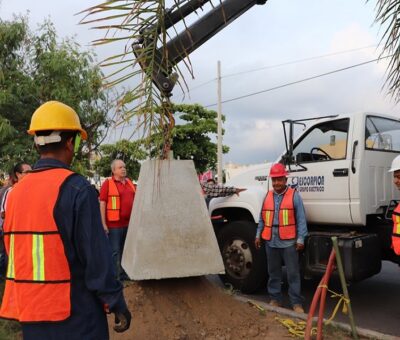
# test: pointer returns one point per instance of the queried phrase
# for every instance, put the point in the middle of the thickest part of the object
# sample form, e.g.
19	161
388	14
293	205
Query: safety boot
275	303
298	308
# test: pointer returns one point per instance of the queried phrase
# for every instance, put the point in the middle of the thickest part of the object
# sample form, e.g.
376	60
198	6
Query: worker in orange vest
60	280
283	227
116	200
395	168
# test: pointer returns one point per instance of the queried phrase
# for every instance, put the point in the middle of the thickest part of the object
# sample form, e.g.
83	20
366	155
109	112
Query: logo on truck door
308	183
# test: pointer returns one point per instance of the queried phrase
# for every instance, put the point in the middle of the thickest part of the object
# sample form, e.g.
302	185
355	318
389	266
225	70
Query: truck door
371	185
321	172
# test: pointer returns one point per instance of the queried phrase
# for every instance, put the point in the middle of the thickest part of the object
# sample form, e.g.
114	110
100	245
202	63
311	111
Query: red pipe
328	273
317	296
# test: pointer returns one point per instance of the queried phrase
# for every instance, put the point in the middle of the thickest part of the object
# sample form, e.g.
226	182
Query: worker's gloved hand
122	321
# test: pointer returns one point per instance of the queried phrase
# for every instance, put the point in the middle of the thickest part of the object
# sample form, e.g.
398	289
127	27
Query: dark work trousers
275	258
208	200
117	238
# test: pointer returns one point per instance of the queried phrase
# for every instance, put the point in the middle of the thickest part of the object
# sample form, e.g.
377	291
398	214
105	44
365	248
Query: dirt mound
192	308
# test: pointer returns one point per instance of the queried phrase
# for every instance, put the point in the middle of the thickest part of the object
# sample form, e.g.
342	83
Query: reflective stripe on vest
38	276
287	219
38	258
396	230
268	216
114	201
10	268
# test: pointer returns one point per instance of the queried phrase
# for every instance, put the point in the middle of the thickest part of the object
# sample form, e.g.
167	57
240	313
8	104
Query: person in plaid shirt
213	190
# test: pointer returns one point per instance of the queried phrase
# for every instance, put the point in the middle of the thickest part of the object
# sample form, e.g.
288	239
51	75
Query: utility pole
219	131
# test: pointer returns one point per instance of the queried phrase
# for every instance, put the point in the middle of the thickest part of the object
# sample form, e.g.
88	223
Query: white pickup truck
340	166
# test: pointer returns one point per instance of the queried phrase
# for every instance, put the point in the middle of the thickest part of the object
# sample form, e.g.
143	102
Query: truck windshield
382	134
324	142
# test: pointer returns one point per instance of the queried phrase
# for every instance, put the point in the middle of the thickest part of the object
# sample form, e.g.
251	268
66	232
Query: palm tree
388	15
141	25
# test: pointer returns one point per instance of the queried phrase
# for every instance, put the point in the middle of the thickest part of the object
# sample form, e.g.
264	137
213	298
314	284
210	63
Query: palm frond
388	16
142	21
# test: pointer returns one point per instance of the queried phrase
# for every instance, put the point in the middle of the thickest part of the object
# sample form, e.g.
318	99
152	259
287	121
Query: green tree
192	140
130	152
191	136
388	12
36	67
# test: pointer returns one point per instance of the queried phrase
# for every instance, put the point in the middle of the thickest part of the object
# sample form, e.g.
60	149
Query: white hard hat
395	164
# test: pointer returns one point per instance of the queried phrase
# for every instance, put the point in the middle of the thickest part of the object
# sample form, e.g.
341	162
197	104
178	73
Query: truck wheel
245	266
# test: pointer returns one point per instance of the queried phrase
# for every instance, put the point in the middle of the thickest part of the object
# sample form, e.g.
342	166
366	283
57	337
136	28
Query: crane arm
176	49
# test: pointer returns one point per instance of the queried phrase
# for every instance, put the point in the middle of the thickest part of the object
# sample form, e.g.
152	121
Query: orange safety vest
287	219
396	230
38	279
114	201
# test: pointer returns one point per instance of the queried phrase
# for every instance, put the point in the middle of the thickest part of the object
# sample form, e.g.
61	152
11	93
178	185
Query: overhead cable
299	81
283	64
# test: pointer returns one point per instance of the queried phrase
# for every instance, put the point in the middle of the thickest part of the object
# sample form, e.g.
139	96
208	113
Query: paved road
375	301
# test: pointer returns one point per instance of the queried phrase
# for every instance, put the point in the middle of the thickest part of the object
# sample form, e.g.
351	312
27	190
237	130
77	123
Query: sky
285	41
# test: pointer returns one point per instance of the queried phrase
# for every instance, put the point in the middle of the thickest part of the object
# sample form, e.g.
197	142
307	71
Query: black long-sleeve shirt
87	249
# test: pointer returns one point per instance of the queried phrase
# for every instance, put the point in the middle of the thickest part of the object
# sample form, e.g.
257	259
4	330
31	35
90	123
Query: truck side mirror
390	208
286	159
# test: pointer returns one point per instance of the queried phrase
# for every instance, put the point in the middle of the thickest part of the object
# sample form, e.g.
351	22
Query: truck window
382	134
324	142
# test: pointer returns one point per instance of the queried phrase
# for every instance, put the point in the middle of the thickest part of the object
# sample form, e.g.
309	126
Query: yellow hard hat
56	116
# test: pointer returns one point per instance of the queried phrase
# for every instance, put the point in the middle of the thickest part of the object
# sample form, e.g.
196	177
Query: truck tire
245	266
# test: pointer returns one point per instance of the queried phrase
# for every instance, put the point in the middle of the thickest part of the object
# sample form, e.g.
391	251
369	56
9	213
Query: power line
282	64
202	84
282	86
300	81
299	61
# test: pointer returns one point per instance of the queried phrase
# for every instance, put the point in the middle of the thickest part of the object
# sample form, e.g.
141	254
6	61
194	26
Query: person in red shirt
116	199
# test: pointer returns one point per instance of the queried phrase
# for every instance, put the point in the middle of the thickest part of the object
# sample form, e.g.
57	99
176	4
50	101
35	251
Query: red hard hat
278	170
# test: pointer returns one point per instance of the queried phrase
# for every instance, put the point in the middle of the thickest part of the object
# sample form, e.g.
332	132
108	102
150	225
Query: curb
367	333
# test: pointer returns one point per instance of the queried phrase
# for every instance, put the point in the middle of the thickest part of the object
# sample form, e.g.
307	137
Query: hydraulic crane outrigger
175	50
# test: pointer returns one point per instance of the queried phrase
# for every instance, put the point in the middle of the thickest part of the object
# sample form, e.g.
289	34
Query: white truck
340	166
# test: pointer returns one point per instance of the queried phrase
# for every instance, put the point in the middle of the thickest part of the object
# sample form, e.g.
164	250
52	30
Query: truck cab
340	166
